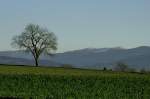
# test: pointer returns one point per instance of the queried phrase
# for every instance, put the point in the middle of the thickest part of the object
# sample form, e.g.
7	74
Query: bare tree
120	66
143	70
36	40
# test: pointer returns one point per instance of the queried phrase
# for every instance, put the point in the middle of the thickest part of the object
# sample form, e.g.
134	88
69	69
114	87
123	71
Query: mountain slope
25	61
86	58
136	57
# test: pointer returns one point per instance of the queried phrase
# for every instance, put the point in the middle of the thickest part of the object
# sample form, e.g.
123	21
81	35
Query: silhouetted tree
36	40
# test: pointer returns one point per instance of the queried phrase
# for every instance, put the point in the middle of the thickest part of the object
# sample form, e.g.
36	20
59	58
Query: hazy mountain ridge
23	58
90	57
107	58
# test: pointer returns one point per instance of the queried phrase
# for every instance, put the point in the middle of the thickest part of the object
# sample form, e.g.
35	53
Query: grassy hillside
60	83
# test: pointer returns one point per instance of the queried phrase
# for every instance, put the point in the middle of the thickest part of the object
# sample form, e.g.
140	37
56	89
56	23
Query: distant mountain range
85	58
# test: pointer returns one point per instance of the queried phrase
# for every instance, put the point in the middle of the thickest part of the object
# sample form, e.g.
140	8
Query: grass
63	83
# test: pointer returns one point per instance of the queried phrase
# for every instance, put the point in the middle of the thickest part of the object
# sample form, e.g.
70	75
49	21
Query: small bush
120	66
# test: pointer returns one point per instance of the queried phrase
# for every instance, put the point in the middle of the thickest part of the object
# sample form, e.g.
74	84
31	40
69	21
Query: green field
63	83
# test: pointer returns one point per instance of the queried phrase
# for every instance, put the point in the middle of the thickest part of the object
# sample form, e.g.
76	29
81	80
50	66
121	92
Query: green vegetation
67	83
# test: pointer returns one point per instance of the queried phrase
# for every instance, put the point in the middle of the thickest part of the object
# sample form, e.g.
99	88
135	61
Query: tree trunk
36	62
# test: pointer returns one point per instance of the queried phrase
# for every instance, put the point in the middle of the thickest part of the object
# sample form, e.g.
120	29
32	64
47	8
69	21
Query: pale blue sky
79	23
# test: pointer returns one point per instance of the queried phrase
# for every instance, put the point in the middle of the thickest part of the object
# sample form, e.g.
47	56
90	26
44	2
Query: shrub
120	66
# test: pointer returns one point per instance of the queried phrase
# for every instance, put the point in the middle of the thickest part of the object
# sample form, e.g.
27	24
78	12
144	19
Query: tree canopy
36	40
